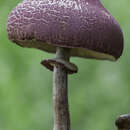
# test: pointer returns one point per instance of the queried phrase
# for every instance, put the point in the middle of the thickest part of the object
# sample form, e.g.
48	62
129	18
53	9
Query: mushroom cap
123	122
85	26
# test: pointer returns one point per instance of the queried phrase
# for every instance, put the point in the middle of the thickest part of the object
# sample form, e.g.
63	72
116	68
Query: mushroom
123	122
81	28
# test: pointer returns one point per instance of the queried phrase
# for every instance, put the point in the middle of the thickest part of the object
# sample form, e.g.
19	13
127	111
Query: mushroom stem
60	93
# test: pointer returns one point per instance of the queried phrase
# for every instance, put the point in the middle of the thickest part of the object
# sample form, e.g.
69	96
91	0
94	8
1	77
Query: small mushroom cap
83	25
123	122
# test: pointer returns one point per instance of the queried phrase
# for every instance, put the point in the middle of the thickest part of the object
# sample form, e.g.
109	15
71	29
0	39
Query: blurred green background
97	93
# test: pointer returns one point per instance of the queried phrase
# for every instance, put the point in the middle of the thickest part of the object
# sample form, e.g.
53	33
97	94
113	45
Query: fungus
123	122
81	28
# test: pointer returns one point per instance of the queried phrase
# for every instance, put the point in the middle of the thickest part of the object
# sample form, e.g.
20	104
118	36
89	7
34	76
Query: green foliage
97	94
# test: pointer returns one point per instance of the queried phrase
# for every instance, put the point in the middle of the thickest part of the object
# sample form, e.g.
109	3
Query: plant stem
60	93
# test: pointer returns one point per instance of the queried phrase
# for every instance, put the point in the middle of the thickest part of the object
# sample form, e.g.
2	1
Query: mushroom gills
92	54
84	53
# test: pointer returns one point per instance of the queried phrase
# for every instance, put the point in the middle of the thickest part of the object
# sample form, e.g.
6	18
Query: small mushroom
123	122
81	28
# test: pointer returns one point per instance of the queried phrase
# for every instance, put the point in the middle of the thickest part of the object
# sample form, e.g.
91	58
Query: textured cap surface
83	25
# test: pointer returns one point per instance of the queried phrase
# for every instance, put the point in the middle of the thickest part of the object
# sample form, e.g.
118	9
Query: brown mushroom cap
83	25
123	122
